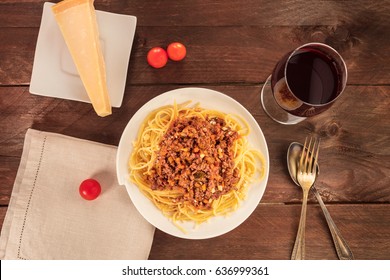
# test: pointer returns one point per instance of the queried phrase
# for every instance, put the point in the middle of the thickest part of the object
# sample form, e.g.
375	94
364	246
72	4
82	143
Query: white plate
54	73
216	225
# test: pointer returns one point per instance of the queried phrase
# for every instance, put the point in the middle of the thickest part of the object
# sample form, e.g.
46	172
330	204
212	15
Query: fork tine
311	155
316	156
308	158
301	166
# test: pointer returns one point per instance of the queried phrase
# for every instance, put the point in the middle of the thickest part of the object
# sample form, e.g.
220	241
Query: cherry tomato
176	51
90	189
157	57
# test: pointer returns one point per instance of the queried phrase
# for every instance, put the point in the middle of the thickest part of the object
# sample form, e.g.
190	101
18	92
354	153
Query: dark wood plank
269	233
354	157
3	211
247	54
21	13
216	12
8	168
231	54
17	50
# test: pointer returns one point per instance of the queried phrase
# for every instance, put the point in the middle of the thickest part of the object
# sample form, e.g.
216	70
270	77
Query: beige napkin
48	219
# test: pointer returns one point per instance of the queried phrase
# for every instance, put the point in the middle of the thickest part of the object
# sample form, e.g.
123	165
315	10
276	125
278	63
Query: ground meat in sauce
196	158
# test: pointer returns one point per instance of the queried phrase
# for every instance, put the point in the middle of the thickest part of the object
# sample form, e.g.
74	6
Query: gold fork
306	176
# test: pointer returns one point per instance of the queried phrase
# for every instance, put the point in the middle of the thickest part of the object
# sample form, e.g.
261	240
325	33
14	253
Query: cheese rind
78	25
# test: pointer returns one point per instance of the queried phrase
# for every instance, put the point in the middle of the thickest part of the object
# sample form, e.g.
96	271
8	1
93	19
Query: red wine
313	77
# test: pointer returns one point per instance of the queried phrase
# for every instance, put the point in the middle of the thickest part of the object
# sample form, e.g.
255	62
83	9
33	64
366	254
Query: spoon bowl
293	155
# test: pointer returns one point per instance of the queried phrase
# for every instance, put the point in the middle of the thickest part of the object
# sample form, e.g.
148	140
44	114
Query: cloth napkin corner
47	218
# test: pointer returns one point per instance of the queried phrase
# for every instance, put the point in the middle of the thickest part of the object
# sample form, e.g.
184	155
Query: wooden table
232	47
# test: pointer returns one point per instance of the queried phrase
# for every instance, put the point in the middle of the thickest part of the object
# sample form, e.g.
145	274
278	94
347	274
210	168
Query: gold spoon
342	248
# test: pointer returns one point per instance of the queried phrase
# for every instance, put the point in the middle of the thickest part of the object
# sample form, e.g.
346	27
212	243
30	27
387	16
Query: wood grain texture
271	231
216	12
3	211
213	53
236	36
232	48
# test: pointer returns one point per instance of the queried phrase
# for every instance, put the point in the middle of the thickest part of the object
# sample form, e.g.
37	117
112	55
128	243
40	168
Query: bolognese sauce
196	158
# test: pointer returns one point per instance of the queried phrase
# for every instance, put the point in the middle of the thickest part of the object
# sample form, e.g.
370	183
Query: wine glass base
272	108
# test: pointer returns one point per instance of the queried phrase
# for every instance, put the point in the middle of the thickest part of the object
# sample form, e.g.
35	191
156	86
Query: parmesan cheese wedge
78	25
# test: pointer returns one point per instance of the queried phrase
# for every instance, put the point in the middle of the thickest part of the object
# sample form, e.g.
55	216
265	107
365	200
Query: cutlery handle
342	248
298	252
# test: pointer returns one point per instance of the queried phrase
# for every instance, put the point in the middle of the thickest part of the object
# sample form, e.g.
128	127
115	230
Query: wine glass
304	83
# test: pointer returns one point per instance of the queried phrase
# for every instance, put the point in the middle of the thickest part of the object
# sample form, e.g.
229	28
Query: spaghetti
194	163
